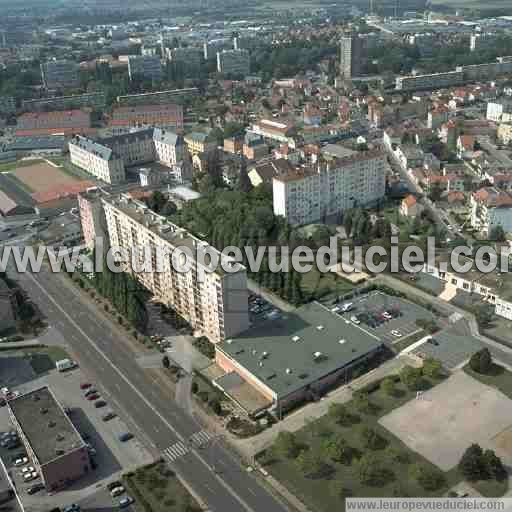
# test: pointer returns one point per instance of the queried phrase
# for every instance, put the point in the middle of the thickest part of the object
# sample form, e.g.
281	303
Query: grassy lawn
72	170
156	488
12	166
324	286
43	359
498	378
317	491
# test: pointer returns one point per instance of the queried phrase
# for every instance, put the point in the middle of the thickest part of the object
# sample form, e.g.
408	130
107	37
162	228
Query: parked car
117	491
71	508
21	461
35	488
125	436
85	385
126	502
100	403
355	320
90	391
28	477
28	469
92	397
432	341
386	315
114	484
108	416
396	333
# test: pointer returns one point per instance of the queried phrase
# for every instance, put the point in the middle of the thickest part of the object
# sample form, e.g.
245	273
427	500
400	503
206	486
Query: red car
85	385
92	397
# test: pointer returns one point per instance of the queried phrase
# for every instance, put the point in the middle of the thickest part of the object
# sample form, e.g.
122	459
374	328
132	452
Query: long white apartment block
215	303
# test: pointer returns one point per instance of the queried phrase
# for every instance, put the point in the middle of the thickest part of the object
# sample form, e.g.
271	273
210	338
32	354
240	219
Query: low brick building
56	449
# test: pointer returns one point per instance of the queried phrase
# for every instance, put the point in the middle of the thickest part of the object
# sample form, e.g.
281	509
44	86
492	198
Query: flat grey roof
38	142
44	423
307	341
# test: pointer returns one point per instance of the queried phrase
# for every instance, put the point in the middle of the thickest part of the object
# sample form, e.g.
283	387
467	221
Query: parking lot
261	310
390	318
111	456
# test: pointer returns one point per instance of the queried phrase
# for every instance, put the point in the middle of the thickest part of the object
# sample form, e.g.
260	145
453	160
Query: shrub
194	388
215	406
481	361
203	395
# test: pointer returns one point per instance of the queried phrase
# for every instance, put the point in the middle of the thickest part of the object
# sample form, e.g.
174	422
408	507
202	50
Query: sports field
42	176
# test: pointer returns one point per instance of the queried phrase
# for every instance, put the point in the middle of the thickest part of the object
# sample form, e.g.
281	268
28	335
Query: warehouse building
297	357
56	449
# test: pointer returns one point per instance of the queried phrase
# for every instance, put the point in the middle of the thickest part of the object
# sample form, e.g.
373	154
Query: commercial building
430	81
213	301
67	122
291	359
159	97
505	133
188	59
60	74
353	56
500	110
142	67
56	449
233	62
93	100
210	48
321	192
92	217
168	116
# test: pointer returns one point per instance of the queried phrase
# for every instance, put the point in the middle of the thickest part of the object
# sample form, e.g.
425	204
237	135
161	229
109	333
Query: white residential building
491	207
323	192
215	303
96	159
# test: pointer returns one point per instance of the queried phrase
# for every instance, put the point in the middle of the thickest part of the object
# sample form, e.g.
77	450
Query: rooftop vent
229	341
60	437
289	371
320	327
260	364
342	341
51	424
296	338
43	410
264	355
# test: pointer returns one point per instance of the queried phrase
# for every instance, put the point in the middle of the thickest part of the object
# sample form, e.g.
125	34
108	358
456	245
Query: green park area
156	488
348	452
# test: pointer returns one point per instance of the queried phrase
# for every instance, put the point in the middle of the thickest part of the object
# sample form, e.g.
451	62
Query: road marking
200	438
176	451
141	396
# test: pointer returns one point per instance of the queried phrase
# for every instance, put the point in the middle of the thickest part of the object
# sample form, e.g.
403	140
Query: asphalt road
227	489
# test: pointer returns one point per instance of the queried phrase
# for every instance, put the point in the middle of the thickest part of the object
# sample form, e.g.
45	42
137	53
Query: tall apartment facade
60	74
93	99
145	67
215	303
323	192
352	55
233	62
96	159
170	147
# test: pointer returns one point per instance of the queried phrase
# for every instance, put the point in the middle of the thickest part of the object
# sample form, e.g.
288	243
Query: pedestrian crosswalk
181	448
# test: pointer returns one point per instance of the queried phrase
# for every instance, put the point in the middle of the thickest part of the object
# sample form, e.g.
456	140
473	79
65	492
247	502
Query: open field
450	417
42	176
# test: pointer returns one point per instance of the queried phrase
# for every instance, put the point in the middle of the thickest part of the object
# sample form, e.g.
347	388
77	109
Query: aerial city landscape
255	255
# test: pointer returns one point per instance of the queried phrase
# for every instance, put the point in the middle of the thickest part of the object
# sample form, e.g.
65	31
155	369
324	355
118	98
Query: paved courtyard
448	418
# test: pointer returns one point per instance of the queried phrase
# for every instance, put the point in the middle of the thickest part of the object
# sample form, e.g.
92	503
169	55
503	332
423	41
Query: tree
481	361
472	464
215	406
411	378
244	183
340	414
430	478
339	491
388	386
287	445
362	402
494	465
484	314
337	449
497	234
432	368
371	438
309	462
194	388
372	470
166	362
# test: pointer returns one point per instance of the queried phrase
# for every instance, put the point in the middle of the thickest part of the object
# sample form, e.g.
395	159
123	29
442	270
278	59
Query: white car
20	462
126	502
30	476
398	334
116	491
27	469
355	320
385	314
335	309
